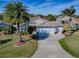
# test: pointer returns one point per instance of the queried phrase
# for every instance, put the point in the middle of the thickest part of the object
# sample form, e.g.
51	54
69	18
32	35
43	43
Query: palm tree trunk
70	18
10	29
69	25
18	31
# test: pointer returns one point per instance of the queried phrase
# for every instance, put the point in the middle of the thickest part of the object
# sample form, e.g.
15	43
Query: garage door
43	33
50	30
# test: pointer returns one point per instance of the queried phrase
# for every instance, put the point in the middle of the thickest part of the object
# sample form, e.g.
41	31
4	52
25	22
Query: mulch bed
17	44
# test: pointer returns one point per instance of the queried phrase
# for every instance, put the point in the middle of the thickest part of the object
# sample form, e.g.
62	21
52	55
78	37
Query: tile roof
65	18
76	21
39	22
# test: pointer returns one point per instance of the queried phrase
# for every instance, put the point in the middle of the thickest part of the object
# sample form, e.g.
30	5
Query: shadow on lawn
27	40
5	41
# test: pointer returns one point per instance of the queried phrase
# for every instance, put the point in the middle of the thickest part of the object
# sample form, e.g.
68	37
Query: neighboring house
76	23
23	26
64	19
43	26
7	27
2	24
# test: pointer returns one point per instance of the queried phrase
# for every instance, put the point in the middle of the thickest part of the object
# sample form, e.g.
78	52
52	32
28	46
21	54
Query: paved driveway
50	48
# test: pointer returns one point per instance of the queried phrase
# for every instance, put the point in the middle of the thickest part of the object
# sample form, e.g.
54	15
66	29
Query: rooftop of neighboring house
76	21
64	18
40	22
3	24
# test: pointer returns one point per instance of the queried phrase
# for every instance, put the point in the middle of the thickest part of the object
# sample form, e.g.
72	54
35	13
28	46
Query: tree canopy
51	17
69	11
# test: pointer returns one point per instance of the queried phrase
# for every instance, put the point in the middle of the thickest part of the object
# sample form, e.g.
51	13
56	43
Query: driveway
50	48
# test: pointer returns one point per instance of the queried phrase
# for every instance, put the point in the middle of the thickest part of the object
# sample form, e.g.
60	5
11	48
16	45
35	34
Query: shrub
30	30
4	41
11	30
23	33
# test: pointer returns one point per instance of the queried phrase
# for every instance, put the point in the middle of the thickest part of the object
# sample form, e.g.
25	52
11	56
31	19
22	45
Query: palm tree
8	15
69	12
17	12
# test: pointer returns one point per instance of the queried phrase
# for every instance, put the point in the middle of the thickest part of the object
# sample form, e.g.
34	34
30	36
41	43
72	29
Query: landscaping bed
8	49
71	44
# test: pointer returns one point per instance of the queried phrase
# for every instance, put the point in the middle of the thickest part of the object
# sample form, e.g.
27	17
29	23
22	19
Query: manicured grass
71	44
9	50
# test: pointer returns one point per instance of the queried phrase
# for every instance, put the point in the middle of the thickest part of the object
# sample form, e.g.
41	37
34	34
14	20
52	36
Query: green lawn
71	44
9	50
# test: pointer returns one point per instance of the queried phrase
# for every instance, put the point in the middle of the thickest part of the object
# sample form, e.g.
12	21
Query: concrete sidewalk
50	48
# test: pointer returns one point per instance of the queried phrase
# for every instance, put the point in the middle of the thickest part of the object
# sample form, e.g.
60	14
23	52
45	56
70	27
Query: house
7	27
64	19
75	23
41	25
2	24
24	27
